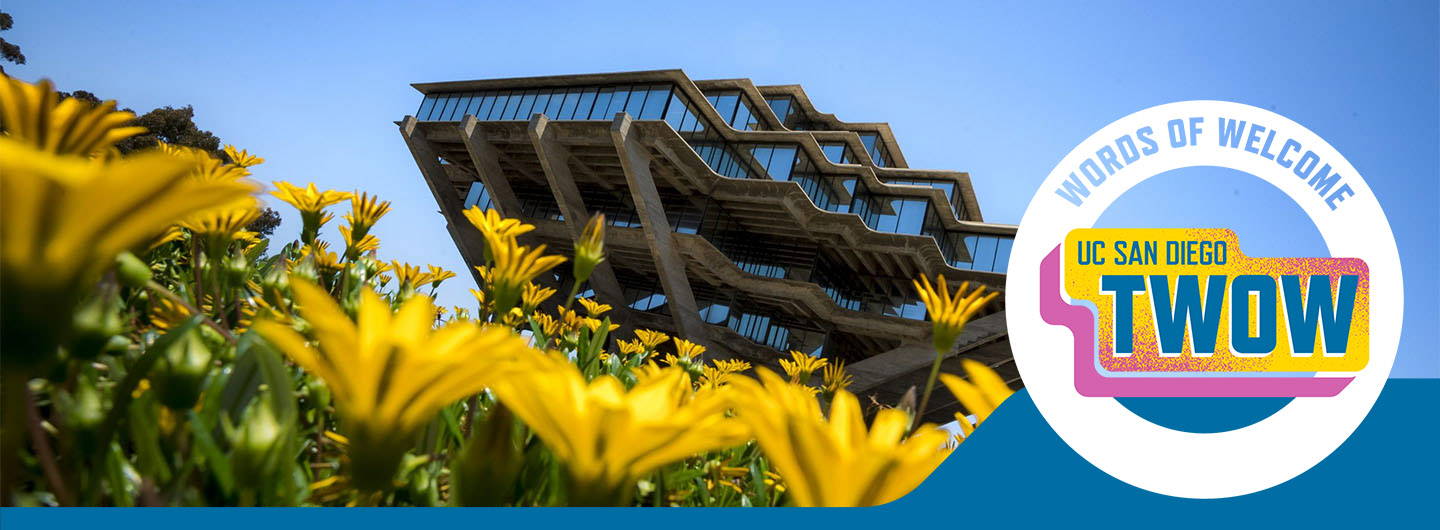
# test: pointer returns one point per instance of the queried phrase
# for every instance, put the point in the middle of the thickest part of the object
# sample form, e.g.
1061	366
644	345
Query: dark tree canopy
172	126
8	50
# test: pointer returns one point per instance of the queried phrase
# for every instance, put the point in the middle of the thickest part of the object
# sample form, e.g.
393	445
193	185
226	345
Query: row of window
735	109
646	102
788	111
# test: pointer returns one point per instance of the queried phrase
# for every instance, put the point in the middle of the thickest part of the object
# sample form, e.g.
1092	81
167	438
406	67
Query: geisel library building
739	215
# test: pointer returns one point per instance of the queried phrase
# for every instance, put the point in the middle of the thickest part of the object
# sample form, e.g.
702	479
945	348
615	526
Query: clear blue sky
1001	93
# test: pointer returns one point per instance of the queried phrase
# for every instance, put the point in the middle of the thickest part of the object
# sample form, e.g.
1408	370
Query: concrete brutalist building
739	215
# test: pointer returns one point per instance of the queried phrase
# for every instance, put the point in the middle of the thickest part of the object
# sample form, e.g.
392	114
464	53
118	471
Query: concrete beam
669	264
875	371
487	164
471	245
554	158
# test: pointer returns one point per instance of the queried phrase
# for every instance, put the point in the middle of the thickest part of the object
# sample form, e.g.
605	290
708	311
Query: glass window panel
742	119
985	253
487	102
1002	254
474	105
781	162
725	105
602	103
834	152
688	121
446	103
567	107
552	107
781	106
636	103
511	101
762	155
542	100
587	100
912	216
617	102
675	112
522	111
869	140
655	103
426	106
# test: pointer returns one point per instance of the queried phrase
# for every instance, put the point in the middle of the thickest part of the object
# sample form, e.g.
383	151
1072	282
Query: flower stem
43	452
929	387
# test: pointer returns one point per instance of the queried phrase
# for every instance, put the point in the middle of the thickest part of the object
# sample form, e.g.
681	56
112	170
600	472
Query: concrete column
668	261
554	159
487	164
471	245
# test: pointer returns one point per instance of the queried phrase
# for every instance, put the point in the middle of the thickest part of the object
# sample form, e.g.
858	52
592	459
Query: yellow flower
437	275
548	326
607	436
219	226
533	295
590	248
34	115
835	462
353	248
311	203
629	348
326	261
63	219
650	338
949	313
242	158
733	366
408	275
686	349
490	222
515	266
835	378
593	308
721	373
595	325
981	395
801	366
365	211
390	373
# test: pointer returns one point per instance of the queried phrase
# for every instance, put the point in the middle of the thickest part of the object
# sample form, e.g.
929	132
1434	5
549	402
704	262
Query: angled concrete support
880	369
471	245
668	262
554	158
487	164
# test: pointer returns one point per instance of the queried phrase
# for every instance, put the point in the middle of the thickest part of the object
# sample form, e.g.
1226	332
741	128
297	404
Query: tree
8	50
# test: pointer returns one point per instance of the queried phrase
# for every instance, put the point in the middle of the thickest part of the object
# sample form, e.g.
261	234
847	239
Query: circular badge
1060	363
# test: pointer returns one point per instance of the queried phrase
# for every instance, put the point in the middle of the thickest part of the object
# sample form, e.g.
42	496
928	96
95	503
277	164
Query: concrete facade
750	231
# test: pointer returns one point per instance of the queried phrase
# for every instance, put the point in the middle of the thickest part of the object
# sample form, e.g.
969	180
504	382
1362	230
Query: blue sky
1000	91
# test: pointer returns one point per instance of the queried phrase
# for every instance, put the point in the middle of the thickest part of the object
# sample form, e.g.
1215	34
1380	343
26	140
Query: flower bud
256	443
486	472
237	269
132	272
95	323
181	371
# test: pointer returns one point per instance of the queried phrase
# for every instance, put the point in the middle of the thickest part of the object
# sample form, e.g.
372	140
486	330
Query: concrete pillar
467	239
554	158
668	262
487	164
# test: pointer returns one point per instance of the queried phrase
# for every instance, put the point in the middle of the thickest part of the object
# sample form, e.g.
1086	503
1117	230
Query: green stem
43	453
929	387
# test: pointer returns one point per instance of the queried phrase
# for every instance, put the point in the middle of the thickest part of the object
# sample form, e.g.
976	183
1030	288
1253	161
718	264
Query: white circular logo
1096	173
